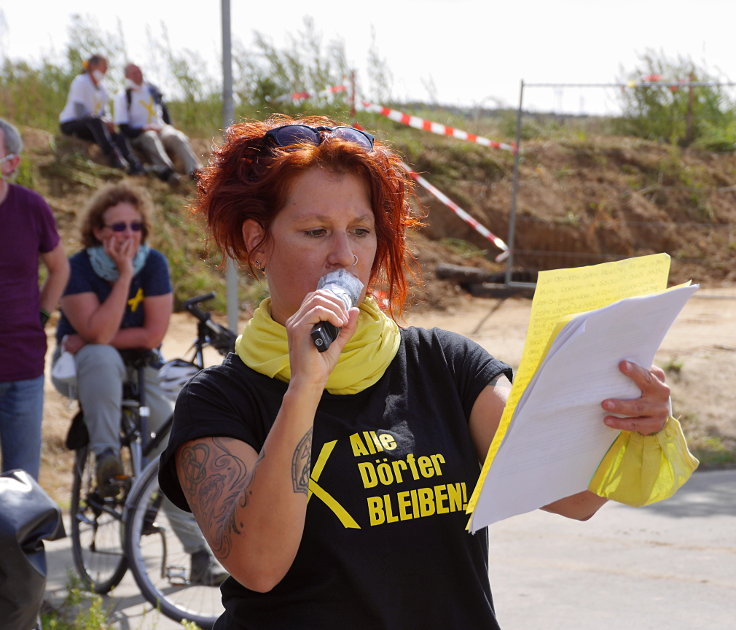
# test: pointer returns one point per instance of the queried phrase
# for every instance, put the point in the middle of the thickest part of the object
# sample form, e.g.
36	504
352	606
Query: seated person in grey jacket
143	118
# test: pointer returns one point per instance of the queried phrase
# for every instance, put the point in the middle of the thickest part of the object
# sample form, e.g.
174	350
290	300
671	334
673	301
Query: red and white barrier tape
428	125
300	96
485	232
654	80
406	119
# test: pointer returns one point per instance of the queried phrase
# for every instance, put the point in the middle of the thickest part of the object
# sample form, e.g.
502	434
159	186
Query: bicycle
110	532
156	555
96	514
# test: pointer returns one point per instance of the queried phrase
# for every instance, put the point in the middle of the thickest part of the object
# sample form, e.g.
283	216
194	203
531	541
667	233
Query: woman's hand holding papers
647	414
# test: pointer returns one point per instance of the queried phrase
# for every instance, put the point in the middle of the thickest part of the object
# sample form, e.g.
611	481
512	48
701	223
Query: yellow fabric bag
642	469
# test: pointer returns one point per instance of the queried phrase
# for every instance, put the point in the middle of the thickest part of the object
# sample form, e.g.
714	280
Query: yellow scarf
263	347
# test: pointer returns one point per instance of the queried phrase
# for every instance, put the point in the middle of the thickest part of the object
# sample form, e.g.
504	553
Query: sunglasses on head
135	226
289	135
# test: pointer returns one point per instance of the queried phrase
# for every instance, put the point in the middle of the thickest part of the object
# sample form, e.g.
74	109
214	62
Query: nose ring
355	260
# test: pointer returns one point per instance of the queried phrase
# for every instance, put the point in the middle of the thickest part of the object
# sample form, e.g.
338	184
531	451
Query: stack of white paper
556	438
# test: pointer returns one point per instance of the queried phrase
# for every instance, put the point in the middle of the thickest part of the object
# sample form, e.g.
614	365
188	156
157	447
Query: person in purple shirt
28	233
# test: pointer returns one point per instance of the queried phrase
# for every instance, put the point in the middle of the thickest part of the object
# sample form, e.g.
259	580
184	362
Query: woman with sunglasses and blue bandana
332	483
119	296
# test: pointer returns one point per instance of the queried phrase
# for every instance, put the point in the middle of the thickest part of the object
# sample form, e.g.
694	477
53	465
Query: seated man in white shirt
143	118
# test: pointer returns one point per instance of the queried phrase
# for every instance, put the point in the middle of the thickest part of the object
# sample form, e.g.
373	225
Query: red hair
249	178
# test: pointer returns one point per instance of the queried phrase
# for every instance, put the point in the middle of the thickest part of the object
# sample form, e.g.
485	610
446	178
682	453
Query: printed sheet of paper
559	295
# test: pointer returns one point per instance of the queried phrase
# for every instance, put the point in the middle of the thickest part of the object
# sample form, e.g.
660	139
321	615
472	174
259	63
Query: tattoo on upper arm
301	464
216	484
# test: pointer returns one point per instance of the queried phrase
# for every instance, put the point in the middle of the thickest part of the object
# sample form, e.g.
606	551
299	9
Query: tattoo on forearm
301	466
216	484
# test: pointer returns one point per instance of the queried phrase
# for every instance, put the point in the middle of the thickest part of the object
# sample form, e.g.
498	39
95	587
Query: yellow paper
560	294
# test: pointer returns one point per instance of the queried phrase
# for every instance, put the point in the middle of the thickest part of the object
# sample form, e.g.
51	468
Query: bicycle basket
174	374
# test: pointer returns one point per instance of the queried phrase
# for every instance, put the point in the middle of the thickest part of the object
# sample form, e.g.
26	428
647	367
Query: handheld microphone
347	287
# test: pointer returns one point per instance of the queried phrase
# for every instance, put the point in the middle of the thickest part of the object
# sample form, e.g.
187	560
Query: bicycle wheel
157	559
97	526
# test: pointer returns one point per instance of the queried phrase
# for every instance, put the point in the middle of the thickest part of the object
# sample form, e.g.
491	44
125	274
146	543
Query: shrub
684	115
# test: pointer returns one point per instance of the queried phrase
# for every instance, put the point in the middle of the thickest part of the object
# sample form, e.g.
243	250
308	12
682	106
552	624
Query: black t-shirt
384	545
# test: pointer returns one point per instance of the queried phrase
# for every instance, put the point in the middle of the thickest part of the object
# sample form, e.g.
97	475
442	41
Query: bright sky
471	52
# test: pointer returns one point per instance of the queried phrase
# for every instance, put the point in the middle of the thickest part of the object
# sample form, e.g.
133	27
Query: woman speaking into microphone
332	484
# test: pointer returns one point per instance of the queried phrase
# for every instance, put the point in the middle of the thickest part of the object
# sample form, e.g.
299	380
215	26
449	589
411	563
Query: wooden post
689	131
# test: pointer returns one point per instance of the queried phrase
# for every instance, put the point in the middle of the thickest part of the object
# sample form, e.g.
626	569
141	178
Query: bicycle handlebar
223	339
191	306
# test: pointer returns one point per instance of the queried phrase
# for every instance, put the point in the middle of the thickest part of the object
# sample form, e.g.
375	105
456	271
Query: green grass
713	453
82	610
706	443
673	366
463	248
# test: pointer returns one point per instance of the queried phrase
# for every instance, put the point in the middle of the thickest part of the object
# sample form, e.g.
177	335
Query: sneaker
205	570
107	469
161	172
136	168
118	161
149	521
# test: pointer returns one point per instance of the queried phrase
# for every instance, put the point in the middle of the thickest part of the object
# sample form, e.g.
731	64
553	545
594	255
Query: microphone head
343	284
